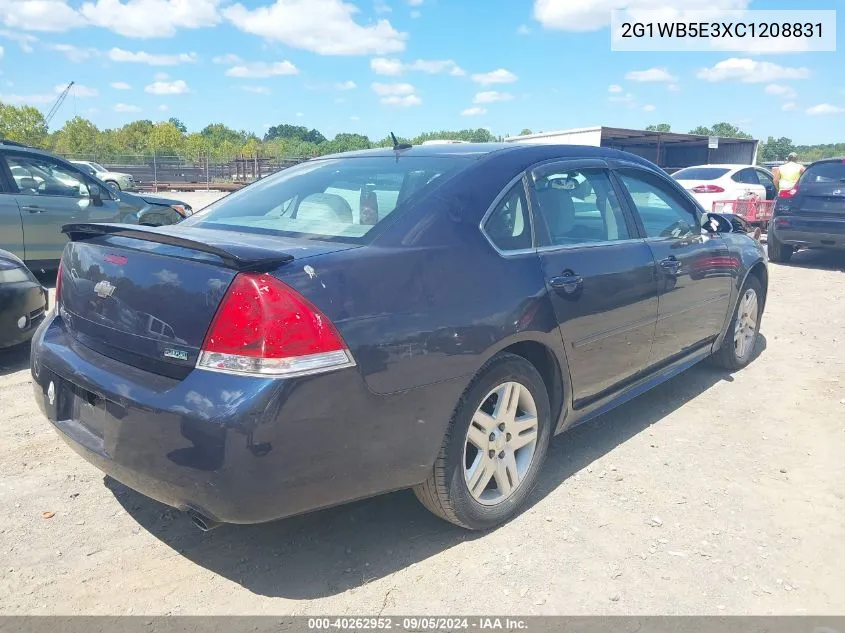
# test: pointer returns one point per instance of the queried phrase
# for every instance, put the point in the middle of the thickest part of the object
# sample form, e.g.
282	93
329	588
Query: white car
114	179
712	183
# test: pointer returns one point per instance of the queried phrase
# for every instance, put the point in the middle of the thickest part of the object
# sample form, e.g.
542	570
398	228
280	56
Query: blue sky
372	66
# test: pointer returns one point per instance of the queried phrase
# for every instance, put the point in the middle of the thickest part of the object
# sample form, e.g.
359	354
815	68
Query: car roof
539	151
834	159
719	166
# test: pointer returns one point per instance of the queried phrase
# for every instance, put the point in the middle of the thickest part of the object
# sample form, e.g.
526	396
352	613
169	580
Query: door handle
34	209
569	282
671	264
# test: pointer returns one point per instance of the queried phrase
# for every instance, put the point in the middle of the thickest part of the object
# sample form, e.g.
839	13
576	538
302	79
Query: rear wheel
739	343
495	446
778	251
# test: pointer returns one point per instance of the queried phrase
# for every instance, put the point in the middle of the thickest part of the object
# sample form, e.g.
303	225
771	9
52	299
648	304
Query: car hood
149	199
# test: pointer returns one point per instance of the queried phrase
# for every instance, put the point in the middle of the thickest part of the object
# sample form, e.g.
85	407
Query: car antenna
397	145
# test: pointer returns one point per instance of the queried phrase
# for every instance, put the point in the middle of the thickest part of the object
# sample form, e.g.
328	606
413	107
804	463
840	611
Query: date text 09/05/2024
416	624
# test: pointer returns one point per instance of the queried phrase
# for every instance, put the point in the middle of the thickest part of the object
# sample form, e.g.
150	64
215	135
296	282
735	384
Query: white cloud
151	18
24	40
259	70
591	15
380	6
120	85
778	90
161	76
492	96
39	15
386	90
614	88
825	108
673	88
384	66
395	67
325	27
403	102
789	107
73	53
345	85
229	59
475	111
416	14
651	75
177	87
259	90
163	107
523	29
751	71
123	107
78	90
34	99
649	108
498	76
140	57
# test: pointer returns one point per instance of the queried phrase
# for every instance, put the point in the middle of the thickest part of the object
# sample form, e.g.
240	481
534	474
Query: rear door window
746	177
337	198
825	172
700	173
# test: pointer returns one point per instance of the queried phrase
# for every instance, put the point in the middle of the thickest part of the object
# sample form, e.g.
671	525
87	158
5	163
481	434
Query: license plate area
89	410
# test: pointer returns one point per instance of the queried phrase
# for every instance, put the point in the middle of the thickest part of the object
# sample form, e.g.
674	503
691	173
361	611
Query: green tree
723	130
775	149
178	124
23	124
660	127
78	136
525	131
165	138
298	132
134	137
196	147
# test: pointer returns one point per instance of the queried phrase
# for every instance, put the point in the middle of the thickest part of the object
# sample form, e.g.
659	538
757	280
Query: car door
599	274
768	183
51	194
11	229
695	270
749	183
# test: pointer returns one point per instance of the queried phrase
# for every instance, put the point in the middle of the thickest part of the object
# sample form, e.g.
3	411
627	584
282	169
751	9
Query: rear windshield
700	173
825	172
329	199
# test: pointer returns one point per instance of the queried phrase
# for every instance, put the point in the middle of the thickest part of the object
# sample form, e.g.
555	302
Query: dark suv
811	214
41	192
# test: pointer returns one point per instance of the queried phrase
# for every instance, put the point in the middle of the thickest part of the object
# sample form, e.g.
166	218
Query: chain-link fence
154	170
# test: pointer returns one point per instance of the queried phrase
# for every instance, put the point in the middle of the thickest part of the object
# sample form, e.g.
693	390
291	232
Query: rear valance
241	258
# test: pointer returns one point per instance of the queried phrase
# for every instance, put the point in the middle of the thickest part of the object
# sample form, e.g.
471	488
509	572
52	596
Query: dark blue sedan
417	317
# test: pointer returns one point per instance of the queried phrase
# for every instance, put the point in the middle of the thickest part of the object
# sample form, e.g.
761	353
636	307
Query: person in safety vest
787	175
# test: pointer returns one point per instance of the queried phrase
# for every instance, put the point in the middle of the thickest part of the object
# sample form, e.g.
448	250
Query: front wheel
113	185
495	446
739	343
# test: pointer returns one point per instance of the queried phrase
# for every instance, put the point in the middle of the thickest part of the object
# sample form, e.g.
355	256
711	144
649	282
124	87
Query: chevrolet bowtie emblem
104	289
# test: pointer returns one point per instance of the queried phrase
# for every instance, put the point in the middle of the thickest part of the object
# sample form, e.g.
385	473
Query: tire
732	355
779	252
113	185
446	492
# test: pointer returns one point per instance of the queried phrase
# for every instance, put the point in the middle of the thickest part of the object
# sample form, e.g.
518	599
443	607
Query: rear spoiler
247	258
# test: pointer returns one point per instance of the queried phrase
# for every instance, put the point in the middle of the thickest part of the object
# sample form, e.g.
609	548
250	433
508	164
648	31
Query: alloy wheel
745	330
500	443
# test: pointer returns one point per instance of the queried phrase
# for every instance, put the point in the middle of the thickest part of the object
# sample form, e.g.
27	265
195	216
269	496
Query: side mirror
714	223
95	194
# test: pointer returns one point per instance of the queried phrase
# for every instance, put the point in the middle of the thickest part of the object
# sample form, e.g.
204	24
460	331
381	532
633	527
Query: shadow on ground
328	552
14	359
818	259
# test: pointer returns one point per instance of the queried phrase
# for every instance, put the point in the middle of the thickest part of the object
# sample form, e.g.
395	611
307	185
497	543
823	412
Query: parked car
116	180
23	301
811	214
420	318
711	183
40	192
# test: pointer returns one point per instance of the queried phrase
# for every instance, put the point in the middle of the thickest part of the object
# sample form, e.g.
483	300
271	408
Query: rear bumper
237	449
23	303
810	232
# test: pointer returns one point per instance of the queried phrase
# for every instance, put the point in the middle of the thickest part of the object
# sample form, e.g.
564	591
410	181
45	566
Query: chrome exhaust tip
202	522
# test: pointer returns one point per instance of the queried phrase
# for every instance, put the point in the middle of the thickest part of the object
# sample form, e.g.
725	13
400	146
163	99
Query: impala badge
104	289
178	354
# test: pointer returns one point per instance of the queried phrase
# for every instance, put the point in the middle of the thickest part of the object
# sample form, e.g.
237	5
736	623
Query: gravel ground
713	494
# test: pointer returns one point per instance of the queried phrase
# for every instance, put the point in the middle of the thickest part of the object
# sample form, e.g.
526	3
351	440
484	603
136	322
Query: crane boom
59	101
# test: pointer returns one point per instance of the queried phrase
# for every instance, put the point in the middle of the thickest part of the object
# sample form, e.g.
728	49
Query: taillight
59	283
708	189
263	326
788	193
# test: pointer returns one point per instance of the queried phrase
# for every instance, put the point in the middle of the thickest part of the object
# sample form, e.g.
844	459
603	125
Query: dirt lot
713	494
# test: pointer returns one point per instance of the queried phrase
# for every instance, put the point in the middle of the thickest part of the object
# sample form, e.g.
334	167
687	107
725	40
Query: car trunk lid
146	295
